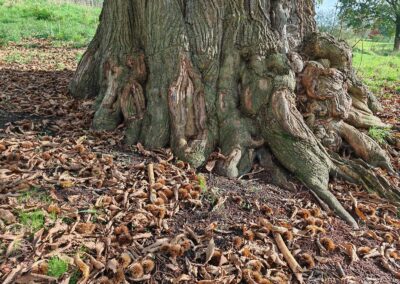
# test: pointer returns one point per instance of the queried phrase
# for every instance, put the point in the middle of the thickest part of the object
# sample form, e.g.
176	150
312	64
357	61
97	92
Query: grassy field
67	24
378	65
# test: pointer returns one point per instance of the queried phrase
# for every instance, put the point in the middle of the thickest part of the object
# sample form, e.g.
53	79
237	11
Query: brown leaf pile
118	217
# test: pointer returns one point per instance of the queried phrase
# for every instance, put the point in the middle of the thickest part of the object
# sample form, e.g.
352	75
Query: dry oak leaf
210	250
85	228
7	216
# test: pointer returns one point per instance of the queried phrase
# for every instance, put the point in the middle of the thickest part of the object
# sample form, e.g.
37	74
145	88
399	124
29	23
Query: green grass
378	65
379	134
34	220
202	183
17	57
62	23
57	267
35	195
76	275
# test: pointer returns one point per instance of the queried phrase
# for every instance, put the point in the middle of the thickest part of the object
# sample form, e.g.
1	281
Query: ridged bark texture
250	77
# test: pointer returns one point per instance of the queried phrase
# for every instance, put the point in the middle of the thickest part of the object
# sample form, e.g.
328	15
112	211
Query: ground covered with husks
76	206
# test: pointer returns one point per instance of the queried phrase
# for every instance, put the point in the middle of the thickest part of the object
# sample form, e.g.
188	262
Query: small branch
152	192
294	266
340	270
150	173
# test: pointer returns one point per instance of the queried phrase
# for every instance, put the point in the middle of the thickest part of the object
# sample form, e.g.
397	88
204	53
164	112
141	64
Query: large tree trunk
250	77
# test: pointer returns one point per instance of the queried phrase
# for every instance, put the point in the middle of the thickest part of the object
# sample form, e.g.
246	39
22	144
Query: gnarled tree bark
248	76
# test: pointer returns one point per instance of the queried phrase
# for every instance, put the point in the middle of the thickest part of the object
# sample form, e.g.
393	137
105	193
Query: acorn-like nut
194	194
249	235
304	213
373	219
363	250
165	248
255	265
169	193
159	201
172	250
237	242
280	277
310	221
288	236
180	164
160	168
328	244
247	275
185	245
257	276
125	260
161	212
148	265
53	209
151	207
188	186
176	250
395	255
162	181
43	268
46	156
183	193
136	270
246	251
307	260
198	188
266	209
121	229
157	186
265	224
316	212
319	222
388	238
163	196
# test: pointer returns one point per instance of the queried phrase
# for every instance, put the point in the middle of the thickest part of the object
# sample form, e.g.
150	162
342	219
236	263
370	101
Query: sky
328	4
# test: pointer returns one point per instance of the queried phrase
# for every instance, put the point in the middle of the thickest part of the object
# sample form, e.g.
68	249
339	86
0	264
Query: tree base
195	81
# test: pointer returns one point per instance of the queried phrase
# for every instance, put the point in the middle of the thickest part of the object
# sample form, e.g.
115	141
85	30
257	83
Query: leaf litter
115	214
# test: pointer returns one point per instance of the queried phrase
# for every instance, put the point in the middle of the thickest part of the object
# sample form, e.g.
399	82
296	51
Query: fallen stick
294	266
152	192
150	173
12	275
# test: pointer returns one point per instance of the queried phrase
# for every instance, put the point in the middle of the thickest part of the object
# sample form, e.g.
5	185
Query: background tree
382	14
251	78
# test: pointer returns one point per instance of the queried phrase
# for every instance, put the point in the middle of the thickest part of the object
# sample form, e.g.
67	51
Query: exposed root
361	173
334	204
364	146
298	152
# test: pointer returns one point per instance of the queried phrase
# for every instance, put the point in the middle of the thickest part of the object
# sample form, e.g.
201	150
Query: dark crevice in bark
249	77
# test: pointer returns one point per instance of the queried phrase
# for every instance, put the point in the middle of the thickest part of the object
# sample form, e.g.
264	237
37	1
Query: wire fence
92	3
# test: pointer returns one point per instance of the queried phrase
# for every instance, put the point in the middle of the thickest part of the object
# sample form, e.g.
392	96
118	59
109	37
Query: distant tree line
374	17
